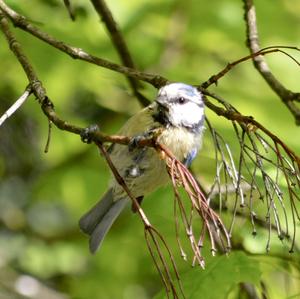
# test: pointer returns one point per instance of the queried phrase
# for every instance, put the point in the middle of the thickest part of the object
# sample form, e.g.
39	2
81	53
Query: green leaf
222	273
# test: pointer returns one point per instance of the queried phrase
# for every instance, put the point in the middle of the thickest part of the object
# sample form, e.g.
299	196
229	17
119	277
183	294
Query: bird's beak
161	105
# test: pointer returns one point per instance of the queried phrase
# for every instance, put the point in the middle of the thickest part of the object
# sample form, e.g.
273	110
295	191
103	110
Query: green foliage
221	275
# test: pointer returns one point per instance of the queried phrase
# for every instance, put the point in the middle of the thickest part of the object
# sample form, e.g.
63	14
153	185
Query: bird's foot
135	141
88	133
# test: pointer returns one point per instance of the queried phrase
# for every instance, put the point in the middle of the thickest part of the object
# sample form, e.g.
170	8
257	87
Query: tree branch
120	45
288	97
15	47
46	104
77	53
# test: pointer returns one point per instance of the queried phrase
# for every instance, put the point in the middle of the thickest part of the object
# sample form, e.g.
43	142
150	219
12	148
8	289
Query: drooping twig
48	137
151	232
257	153
250	123
262	149
288	97
180	176
120	45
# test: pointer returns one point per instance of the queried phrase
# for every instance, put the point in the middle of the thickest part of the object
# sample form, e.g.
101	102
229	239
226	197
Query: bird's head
181	105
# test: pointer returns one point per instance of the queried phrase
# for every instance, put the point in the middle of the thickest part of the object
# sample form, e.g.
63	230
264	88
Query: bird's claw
87	133
134	142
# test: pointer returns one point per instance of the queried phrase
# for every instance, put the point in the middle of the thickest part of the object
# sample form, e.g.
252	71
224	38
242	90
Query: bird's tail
98	220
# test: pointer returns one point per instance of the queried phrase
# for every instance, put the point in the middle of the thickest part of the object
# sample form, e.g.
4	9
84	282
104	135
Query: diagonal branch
120	45
40	93
288	97
15	47
77	53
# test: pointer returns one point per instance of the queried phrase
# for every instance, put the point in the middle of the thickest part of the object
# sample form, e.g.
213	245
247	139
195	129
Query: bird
178	113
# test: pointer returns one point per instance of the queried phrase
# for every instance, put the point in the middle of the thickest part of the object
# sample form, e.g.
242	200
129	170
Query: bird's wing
139	123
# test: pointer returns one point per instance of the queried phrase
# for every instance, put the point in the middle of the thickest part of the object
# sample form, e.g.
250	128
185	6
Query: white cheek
189	113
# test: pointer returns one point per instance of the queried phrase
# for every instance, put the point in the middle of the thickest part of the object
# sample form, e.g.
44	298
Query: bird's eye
182	100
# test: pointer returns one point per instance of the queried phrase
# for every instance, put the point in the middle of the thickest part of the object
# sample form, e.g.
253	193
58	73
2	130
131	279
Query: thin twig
120	45
181	176
165	272
18	103
48	137
265	51
250	121
70	9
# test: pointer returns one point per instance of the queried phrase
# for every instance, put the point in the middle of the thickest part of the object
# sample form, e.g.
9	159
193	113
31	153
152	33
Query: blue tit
178	112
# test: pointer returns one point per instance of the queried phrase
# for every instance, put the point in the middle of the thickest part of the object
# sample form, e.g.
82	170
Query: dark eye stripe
182	100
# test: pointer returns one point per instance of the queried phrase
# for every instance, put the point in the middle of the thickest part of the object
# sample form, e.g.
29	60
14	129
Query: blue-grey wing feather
89	220
105	224
98	220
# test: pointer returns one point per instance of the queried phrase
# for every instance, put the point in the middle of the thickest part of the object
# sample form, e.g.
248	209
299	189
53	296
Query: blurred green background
42	252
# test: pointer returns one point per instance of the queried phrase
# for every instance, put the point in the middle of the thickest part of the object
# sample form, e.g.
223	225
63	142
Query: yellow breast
179	141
